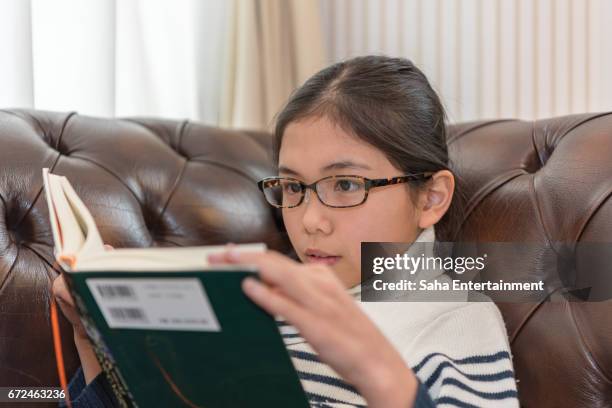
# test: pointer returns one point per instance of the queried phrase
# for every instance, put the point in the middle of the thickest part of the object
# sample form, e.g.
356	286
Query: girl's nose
307	195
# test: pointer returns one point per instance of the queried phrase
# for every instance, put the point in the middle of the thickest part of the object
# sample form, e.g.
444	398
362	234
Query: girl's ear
435	198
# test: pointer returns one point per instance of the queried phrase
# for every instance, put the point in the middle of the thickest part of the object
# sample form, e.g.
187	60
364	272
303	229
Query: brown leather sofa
153	182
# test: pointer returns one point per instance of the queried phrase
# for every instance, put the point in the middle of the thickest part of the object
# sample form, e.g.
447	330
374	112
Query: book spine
102	352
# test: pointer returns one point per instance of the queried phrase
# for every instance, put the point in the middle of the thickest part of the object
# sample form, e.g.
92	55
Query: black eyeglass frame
368	184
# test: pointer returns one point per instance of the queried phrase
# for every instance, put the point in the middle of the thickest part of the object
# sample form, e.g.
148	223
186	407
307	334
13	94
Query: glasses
334	191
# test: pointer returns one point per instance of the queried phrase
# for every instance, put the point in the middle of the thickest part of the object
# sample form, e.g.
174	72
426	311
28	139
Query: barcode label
154	303
113	291
128	313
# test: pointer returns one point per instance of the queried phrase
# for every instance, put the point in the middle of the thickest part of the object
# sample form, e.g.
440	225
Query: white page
68	235
92	242
159	259
52	215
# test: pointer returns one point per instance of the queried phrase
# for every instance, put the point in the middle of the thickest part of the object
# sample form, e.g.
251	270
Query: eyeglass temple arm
397	180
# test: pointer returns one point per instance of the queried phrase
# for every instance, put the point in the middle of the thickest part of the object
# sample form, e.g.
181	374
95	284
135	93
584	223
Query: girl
362	156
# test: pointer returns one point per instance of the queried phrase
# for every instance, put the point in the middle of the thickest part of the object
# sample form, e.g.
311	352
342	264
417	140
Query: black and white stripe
470	381
458	350
476	380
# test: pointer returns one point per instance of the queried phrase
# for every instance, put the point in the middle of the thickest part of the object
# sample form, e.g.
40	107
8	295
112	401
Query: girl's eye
293	188
345	185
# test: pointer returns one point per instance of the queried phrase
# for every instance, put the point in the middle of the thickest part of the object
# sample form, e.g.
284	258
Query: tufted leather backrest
147	183
545	182
159	182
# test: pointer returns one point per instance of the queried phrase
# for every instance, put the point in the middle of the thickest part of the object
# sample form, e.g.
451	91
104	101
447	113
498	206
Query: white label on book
152	303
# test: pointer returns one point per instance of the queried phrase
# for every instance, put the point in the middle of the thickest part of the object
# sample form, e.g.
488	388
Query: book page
53	219
92	242
159	259
67	233
74	230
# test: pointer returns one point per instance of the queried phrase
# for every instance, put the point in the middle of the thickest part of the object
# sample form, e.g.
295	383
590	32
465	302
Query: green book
167	328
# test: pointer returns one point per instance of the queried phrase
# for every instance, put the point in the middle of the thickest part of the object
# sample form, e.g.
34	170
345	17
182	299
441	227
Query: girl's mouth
327	260
321	258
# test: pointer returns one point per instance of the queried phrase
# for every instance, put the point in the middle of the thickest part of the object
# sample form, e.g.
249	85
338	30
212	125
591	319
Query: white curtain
488	58
220	62
16	67
99	57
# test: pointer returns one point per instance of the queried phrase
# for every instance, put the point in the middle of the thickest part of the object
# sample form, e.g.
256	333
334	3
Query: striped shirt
459	351
461	357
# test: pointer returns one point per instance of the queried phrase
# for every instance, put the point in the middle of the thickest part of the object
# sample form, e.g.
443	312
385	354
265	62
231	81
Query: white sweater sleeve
463	358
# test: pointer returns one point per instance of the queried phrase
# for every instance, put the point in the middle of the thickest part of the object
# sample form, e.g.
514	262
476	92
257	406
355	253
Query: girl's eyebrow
346	164
287	170
341	165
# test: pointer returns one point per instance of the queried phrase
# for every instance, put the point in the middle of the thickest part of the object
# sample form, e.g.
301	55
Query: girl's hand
89	363
66	304
310	297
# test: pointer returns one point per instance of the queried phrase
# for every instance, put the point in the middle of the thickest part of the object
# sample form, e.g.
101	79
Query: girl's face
315	148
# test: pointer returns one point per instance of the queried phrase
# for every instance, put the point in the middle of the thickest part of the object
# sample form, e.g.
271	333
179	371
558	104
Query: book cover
227	353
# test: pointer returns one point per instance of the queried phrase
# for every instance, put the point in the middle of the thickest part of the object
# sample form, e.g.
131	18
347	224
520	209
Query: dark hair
386	102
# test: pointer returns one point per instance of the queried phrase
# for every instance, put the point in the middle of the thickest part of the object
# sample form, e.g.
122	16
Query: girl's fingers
226	256
283	273
279	271
273	302
66	304
272	265
220	258
60	291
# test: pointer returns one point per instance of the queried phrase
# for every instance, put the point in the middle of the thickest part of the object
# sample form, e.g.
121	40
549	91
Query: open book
78	245
168	328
